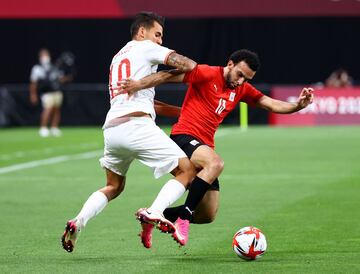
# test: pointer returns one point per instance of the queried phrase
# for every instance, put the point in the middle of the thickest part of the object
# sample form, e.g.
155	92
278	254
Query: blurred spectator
45	82
338	79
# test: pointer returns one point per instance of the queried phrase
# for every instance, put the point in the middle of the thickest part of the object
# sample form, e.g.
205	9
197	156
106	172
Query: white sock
169	193
92	207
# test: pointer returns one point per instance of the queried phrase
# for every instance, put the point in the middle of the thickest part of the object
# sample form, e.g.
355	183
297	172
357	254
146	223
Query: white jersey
136	60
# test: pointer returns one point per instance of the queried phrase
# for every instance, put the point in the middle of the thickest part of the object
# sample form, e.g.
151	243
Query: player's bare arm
131	86
167	110
306	97
180	62
33	93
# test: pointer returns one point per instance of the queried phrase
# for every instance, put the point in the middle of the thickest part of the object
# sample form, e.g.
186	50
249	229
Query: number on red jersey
221	107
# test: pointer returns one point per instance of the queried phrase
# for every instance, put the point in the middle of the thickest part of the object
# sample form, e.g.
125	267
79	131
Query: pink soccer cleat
71	233
156	219
181	233
146	234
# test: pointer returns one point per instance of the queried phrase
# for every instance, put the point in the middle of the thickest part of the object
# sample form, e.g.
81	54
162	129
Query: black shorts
189	144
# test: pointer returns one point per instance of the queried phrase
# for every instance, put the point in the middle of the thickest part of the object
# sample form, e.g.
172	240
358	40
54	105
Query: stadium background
300	43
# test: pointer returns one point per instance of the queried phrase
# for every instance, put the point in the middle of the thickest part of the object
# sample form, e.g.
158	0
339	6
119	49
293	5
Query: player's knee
208	219
187	169
115	184
114	189
205	219
216	165
119	188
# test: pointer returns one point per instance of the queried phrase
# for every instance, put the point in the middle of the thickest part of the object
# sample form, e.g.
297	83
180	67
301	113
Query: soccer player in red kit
212	93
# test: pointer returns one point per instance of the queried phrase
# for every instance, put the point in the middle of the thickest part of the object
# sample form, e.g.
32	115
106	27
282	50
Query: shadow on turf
214	259
188	258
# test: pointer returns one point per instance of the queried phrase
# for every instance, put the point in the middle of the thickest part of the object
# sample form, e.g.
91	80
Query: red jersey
208	101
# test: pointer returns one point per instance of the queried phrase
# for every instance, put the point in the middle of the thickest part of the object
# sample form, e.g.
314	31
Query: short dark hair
251	58
145	19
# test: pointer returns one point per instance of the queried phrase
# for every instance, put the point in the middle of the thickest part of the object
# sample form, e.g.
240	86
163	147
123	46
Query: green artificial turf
301	186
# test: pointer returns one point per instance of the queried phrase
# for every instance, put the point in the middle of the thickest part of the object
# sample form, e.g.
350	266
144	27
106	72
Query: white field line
50	161
85	155
29	153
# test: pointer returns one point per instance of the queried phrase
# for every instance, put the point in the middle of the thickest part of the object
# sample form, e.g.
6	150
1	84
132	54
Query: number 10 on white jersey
118	71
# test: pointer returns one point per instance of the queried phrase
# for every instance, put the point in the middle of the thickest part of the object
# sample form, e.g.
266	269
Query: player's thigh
203	156
207	209
155	149
58	98
184	165
118	154
47	100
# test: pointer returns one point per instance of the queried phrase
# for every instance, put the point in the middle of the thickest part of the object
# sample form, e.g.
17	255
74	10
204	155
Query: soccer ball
249	243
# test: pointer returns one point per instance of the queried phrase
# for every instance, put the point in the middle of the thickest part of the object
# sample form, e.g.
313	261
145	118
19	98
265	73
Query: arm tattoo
180	62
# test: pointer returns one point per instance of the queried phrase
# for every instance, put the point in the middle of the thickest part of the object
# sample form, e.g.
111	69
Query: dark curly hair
251	58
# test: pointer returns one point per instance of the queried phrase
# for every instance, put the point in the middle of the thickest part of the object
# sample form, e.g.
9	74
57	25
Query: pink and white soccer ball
249	243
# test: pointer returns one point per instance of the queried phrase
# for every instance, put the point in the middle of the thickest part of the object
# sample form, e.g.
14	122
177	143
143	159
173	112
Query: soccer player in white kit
131	133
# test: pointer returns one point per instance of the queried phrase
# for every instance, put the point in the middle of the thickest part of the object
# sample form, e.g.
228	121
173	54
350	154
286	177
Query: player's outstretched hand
306	97
128	86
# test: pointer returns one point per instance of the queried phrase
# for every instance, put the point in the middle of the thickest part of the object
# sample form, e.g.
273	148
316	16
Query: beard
228	82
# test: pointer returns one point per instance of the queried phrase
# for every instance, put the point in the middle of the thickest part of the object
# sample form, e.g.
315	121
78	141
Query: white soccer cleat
71	234
44	132
157	219
55	132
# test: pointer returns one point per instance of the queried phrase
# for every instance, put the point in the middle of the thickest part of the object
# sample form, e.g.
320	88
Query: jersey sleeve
251	95
201	73
157	54
34	75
